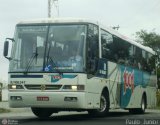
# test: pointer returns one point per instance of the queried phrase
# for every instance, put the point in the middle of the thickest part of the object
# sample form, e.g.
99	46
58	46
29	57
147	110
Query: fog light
71	99
16	98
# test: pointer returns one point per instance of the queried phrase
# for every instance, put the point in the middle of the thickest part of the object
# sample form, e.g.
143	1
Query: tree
152	40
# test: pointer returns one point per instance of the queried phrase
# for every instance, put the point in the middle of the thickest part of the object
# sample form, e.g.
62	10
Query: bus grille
43	87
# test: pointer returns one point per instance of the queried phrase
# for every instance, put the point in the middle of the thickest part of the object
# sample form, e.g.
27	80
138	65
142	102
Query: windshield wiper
34	55
50	59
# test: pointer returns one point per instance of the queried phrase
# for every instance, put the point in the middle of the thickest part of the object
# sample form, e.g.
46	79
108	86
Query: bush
3	110
158	98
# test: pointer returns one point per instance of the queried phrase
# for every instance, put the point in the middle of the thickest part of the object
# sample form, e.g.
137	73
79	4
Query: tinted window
122	52
106	42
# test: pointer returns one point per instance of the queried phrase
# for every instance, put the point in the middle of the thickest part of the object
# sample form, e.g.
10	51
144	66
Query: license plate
42	98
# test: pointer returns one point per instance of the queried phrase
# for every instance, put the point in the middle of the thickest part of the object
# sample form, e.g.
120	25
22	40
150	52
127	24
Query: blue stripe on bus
26	76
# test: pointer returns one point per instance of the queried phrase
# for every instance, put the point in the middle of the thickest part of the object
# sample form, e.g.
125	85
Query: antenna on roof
116	27
53	4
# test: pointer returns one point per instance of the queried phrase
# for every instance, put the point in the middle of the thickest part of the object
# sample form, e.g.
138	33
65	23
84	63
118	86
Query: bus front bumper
66	100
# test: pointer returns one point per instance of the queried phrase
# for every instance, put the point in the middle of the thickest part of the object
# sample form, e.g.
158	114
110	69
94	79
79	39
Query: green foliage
158	77
158	99
151	39
3	110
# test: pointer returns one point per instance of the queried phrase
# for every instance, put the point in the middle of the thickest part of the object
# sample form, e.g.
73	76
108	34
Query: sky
130	15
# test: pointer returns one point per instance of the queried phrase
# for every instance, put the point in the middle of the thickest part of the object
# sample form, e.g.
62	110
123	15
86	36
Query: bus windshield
54	48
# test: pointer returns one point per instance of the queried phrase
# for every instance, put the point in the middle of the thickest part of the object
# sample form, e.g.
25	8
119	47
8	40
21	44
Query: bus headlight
15	87
74	87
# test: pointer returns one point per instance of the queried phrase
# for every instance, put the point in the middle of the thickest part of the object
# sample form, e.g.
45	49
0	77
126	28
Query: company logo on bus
128	78
57	77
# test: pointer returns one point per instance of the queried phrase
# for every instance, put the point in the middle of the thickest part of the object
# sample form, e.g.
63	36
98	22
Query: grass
3	110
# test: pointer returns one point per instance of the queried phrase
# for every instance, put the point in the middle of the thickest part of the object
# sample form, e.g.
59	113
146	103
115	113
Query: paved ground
24	116
5	105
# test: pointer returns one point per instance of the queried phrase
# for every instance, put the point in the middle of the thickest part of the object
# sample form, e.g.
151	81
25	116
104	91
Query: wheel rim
103	104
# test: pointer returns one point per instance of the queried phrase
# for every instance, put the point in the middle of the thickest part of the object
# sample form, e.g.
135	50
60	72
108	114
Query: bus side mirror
6	47
5	50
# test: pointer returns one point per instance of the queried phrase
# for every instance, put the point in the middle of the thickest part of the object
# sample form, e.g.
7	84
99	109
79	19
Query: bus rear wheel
42	113
104	106
143	105
142	109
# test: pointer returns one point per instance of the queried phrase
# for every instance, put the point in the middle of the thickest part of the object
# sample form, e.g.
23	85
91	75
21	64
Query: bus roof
58	20
81	20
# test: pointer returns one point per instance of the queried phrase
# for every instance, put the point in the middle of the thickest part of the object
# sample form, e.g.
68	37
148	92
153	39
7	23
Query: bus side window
138	57
106	42
120	50
151	64
144	60
93	40
93	47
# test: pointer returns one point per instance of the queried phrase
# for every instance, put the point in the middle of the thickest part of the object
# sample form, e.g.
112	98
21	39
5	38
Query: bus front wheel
104	106
42	113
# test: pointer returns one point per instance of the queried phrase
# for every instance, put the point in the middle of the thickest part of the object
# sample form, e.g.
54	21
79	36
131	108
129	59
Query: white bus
78	65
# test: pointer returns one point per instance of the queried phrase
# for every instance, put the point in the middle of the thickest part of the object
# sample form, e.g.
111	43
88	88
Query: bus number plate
42	98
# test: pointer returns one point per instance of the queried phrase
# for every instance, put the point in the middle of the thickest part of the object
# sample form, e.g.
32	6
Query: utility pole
53	4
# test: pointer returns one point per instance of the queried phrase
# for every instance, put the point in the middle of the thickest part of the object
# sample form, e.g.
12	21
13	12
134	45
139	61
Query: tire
104	106
143	105
140	110
42	113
